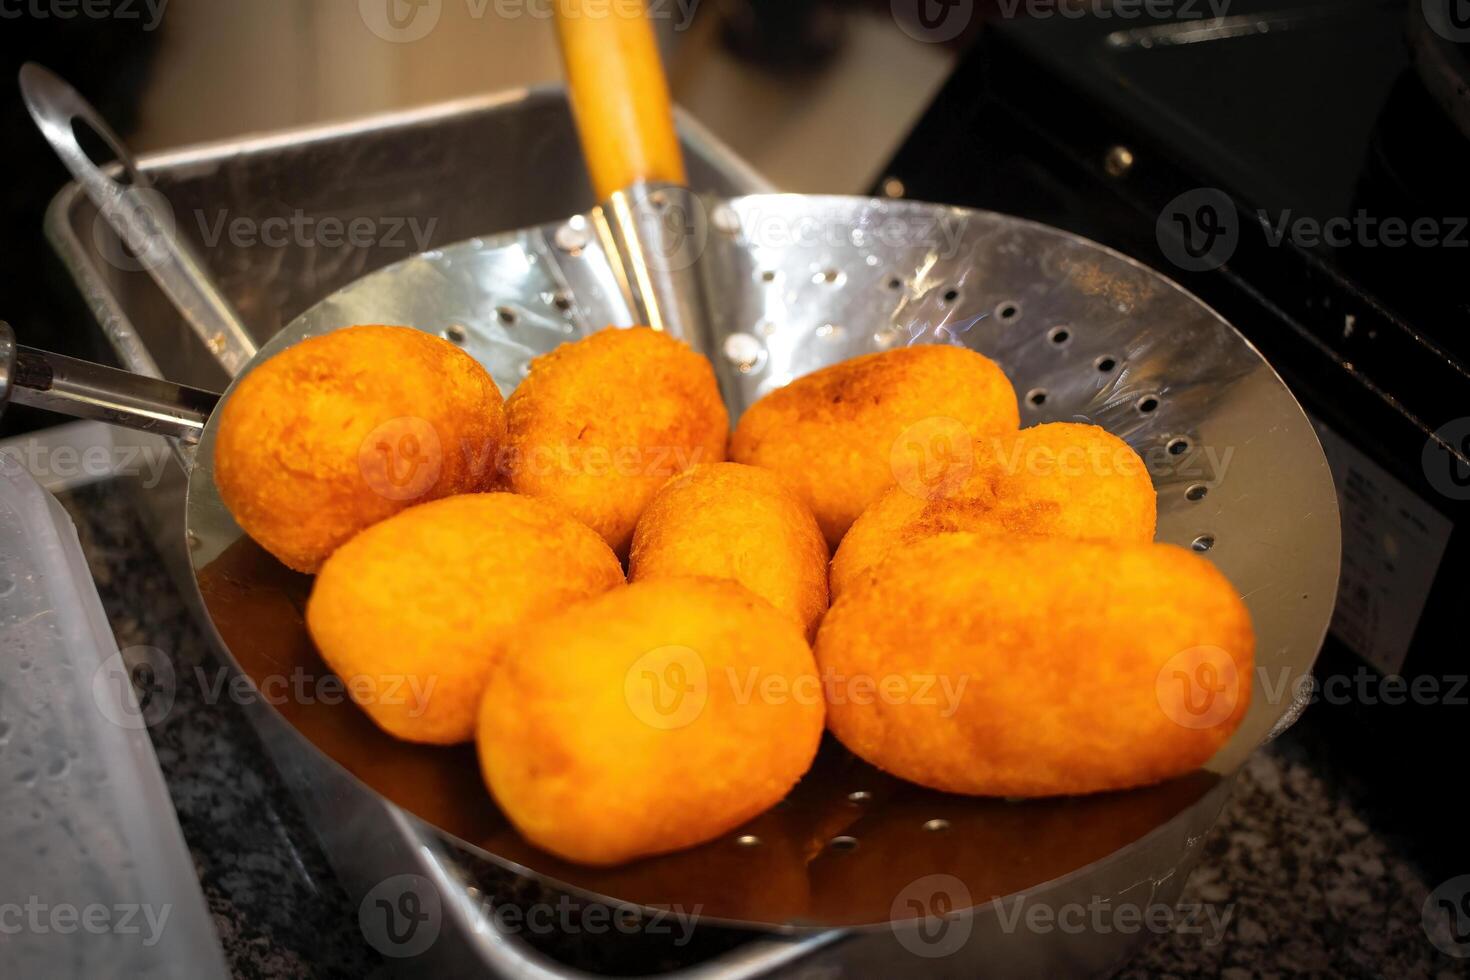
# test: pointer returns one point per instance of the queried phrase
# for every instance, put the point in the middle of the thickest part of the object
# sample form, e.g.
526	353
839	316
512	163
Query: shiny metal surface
1083	333
84	390
7	363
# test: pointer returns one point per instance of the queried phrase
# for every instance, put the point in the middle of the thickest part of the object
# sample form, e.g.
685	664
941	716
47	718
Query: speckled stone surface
1310	885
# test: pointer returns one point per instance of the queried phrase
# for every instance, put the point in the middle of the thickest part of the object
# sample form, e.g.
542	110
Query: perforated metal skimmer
772	287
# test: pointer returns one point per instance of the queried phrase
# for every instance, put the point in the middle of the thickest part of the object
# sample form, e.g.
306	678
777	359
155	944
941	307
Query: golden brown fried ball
340	431
1056	480
844	434
1037	667
600	424
725	520
412	612
649	719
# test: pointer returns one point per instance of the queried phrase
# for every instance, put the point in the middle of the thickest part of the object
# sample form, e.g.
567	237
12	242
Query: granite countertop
1310	881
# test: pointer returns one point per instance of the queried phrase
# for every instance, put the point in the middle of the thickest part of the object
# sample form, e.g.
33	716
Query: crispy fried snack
343	430
600	424
742	523
1056	480
844	434
1037	667
413	611
649	719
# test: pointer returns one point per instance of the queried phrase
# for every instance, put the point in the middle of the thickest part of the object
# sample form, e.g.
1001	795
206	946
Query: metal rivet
859	796
1203	543
726	220
748	840
745	352
1118	161
936	825
573	236
843	843
893	187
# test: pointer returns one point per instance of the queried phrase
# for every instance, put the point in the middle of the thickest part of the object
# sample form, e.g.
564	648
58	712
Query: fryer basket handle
139	214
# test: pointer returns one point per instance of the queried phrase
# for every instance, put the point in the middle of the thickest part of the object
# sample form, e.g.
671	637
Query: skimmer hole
895	284
1106	364
455	334
1037	397
1148	404
1196	492
843	843
506	314
1059	335
1203	543
768	276
1178	447
562	302
1008	311
950	295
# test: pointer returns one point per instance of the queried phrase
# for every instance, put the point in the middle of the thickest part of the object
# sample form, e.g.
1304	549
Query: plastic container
95	877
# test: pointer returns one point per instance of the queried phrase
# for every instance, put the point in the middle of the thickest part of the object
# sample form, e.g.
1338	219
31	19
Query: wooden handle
620	97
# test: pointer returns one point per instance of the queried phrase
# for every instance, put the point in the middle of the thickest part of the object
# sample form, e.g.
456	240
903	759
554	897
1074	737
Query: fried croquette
726	520
1036	667
412	612
600	424
340	431
649	719
844	434
1062	479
